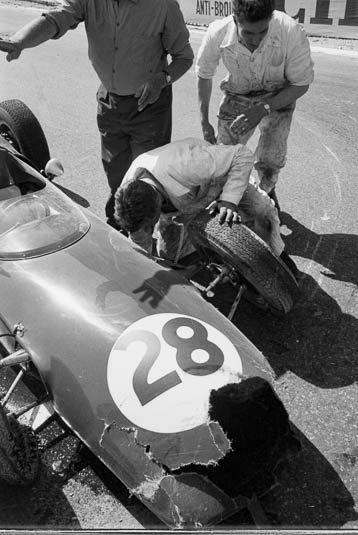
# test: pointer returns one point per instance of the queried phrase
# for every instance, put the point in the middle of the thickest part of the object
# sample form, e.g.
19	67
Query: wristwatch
267	107
168	78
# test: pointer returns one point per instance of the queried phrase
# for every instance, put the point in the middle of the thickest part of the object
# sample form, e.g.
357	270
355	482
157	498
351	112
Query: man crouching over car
171	184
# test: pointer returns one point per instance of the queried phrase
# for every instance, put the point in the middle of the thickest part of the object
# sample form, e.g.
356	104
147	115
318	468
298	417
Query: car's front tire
20	127
247	253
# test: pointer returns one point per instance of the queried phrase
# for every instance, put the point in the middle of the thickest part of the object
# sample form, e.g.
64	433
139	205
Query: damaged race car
126	353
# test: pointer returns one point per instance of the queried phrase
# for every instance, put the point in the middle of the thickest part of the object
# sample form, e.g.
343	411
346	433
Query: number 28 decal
162	368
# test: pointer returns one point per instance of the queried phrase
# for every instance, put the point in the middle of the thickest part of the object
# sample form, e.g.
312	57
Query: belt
121	97
252	94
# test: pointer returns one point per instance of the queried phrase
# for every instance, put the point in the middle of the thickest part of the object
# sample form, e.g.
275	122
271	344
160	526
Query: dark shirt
128	40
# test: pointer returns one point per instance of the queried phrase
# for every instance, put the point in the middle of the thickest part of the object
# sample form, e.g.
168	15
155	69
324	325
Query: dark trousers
126	133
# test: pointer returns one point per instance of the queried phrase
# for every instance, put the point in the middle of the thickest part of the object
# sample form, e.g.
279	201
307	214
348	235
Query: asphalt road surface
313	350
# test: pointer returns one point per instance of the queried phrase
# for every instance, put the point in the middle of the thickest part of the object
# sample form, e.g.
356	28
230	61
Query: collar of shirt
231	38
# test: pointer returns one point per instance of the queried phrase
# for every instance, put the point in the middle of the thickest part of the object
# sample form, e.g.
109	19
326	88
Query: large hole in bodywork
256	422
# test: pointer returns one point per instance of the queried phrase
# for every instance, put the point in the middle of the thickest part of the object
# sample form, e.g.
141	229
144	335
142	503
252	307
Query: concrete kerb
49	3
335	51
328	49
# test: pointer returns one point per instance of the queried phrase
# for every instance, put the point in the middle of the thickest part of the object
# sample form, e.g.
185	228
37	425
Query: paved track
313	350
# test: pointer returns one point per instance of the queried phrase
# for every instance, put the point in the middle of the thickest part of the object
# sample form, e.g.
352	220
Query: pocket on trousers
103	100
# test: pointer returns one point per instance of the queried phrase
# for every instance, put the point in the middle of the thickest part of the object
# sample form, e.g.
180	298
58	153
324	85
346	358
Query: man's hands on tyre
227	211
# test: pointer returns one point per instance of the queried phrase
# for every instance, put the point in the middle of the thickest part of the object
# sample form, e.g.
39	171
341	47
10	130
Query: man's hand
209	133
13	49
248	120
227	211
149	92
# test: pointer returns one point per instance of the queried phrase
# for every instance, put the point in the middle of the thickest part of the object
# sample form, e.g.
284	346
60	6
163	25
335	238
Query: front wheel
20	127
250	256
19	454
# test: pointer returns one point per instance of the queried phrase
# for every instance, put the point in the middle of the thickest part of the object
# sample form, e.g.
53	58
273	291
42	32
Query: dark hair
135	202
253	10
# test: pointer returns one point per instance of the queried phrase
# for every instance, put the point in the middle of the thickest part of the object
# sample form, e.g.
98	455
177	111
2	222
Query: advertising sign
333	18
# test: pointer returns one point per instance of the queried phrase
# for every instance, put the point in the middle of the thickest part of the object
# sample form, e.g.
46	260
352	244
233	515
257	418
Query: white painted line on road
337	183
338	189
331	153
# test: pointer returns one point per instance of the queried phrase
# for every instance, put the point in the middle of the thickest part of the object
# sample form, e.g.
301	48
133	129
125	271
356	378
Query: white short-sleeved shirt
283	57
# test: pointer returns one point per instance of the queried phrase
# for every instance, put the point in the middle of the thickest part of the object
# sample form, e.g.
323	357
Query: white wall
335	18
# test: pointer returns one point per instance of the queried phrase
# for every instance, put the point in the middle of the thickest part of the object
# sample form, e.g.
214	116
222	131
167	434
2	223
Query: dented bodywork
160	386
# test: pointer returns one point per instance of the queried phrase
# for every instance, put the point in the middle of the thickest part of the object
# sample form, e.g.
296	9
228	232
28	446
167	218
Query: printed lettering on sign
162	368
214	8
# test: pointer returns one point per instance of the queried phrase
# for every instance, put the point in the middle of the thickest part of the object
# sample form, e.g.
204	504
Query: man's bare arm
32	34
204	95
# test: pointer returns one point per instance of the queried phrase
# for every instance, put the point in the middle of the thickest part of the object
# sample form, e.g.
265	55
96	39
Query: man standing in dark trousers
128	45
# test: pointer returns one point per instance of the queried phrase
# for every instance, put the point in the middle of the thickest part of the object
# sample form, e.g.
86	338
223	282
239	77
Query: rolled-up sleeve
209	55
175	37
299	64
66	17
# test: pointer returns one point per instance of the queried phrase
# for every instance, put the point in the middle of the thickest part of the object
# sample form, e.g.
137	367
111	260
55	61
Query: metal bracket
18	357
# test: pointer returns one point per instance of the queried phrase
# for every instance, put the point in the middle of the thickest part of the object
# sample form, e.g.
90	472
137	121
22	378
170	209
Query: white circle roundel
162	368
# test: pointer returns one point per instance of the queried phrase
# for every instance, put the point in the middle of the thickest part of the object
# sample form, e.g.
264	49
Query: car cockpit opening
34	220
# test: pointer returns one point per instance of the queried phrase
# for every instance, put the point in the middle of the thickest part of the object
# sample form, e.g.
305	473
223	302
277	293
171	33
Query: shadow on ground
74	196
300	500
317	341
336	252
41	505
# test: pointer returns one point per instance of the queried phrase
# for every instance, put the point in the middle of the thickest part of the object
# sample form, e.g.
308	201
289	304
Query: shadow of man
318	342
338	253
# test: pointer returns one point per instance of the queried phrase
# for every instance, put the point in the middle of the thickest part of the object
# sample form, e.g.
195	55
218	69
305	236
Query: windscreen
39	223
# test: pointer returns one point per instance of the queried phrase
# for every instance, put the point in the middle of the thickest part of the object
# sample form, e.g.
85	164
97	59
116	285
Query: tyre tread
251	256
19	454
27	130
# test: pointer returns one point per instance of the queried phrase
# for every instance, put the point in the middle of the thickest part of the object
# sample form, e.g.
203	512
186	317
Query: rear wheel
19	454
20	127
250	256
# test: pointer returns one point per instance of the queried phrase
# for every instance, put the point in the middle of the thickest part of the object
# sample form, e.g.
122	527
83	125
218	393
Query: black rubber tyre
242	249
19	126
19	454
